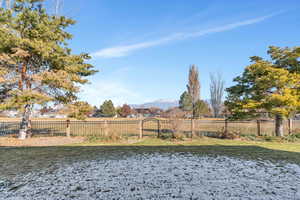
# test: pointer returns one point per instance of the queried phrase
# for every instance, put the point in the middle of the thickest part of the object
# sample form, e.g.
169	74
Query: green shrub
297	135
229	135
178	136
251	137
293	137
110	138
270	138
92	139
290	138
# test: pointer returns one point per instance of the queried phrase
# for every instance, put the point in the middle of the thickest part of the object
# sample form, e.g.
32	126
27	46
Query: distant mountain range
161	103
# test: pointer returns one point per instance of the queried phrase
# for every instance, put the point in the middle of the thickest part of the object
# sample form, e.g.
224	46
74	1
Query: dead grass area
39	141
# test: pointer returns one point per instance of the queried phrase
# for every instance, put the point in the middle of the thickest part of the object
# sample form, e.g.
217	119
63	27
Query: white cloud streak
101	90
120	51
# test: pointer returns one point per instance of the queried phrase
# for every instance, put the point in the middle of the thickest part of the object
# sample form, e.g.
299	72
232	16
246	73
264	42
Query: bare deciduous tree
216	93
193	86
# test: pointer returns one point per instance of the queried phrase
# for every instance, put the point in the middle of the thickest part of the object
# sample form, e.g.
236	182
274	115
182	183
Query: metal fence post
226	127
105	128
258	127
29	131
158	128
68	129
141	129
192	127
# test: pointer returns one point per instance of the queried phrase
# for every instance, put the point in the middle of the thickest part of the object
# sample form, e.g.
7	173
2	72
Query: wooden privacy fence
146	127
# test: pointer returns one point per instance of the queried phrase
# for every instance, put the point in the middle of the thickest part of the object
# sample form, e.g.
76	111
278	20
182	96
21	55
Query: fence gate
151	127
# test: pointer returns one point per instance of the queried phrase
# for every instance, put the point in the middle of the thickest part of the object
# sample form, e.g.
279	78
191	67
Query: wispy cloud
101	90
124	50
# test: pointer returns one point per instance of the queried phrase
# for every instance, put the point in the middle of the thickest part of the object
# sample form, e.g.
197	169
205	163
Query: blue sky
143	48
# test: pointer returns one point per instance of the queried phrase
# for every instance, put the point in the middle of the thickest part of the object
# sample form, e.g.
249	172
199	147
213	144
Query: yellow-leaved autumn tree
265	87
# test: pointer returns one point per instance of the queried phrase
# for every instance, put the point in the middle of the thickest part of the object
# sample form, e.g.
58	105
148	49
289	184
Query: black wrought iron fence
49	128
144	128
9	128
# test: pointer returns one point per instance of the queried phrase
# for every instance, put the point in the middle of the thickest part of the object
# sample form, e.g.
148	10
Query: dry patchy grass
39	141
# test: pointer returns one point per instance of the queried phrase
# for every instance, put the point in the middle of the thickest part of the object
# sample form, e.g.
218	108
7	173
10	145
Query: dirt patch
38	141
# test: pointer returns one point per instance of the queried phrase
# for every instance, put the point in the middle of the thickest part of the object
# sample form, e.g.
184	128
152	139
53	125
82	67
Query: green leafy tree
201	108
107	109
79	110
119	111
286	58
264	88
185	102
35	60
94	111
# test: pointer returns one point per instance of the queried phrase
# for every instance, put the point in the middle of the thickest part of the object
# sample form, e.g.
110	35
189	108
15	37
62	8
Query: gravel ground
159	176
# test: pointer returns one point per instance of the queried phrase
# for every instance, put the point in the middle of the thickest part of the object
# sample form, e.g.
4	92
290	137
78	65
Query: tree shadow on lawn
21	160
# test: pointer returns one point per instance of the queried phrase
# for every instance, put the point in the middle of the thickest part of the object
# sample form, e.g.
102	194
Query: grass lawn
16	160
205	141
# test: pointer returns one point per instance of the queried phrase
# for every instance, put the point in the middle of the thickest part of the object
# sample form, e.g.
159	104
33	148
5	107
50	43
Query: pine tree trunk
279	126
258	127
25	122
290	124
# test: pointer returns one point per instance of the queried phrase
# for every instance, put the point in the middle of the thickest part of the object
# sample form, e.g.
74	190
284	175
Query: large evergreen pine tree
201	108
35	60
107	109
185	102
265	87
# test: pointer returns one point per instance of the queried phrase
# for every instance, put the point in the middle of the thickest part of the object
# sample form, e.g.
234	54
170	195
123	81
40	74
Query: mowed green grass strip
205	141
14	161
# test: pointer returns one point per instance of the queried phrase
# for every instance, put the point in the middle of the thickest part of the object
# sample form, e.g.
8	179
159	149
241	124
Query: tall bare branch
216	93
193	86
